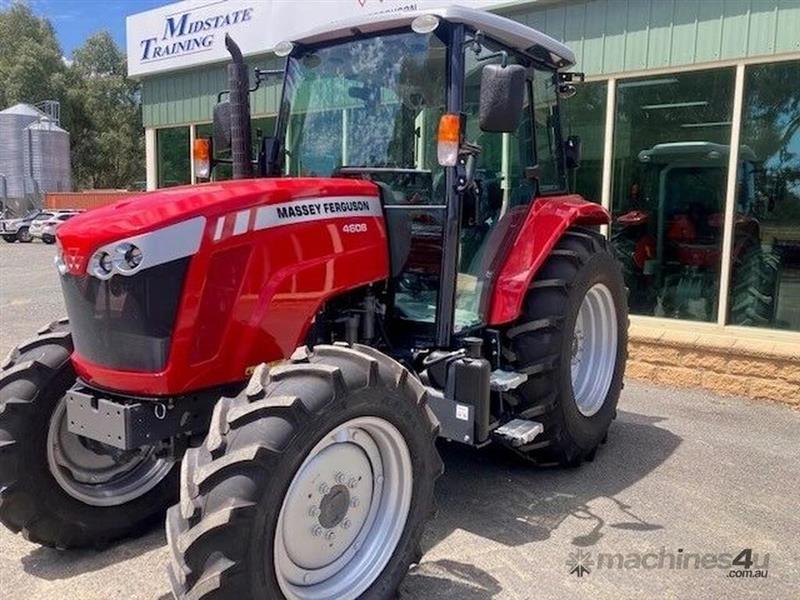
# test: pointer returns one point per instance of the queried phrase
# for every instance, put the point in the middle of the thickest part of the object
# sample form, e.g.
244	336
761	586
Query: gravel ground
683	472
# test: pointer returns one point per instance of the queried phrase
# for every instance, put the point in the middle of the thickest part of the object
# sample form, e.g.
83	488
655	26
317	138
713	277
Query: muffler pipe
239	86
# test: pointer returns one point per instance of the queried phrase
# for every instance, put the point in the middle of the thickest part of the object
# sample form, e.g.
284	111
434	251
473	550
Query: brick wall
85	200
725	364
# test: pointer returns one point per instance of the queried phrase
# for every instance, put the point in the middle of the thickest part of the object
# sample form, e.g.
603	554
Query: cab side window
545	111
503	190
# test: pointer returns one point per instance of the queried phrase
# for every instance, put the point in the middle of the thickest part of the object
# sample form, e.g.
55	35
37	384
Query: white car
20	230
45	229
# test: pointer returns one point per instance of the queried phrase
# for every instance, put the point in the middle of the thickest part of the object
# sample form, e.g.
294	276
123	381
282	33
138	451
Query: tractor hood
201	211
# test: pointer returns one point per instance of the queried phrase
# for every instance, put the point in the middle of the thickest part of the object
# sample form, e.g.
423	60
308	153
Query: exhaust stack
239	85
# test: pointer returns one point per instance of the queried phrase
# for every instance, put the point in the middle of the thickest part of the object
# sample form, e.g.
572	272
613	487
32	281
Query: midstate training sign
192	32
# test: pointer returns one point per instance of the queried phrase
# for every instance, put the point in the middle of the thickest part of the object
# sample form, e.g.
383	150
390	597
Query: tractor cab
454	114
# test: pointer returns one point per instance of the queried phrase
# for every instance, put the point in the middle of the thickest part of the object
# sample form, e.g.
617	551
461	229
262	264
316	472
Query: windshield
372	102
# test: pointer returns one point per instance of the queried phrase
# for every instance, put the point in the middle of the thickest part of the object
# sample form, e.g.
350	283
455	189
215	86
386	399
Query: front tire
571	340
56	488
315	482
10	238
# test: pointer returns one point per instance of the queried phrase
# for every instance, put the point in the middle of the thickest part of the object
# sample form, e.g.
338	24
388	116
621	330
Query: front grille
126	322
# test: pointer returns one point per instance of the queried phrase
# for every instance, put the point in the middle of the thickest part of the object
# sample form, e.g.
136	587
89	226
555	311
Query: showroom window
585	116
765	264
173	157
671	145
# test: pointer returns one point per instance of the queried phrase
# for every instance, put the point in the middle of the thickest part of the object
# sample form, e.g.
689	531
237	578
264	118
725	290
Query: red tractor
406	265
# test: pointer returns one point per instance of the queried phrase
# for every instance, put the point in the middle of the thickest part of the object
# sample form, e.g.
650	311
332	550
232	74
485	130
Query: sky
76	20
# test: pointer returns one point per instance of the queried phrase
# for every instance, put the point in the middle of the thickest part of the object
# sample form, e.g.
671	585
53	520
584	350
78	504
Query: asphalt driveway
687	482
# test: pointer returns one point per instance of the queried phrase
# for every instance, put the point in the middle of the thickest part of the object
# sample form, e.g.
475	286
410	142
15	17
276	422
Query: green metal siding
189	96
608	36
614	36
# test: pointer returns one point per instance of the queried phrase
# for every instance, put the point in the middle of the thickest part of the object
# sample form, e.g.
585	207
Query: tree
109	152
100	106
30	58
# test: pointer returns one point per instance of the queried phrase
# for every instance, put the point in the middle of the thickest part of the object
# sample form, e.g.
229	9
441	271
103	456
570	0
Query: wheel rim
344	512
25	236
594	349
98	474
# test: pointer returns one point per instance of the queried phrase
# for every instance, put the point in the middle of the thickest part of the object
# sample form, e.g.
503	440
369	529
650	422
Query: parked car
45	230
19	230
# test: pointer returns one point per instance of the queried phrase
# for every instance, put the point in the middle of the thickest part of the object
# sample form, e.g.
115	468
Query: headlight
133	257
102	265
129	257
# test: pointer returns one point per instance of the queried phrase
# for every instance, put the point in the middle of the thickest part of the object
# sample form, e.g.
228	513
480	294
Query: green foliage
100	106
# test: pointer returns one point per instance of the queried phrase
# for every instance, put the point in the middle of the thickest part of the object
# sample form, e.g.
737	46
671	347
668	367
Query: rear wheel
56	487
10	238
571	340
315	482
48	239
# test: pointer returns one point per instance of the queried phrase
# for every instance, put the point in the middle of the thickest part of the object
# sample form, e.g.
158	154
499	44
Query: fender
546	222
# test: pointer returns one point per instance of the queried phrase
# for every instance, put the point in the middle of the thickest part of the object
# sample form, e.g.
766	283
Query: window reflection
173	156
668	196
584	115
765	277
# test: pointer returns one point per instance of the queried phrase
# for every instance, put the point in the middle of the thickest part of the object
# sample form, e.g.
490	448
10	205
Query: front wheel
57	488
10	238
571	341
48	239
315	482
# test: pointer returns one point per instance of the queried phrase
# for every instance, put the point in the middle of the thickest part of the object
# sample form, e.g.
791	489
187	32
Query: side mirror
573	150
222	126
502	97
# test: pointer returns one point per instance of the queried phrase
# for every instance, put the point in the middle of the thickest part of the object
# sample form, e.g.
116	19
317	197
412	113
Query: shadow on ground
494	495
52	564
489	493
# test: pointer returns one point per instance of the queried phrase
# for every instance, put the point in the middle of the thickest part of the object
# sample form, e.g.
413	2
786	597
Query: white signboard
192	32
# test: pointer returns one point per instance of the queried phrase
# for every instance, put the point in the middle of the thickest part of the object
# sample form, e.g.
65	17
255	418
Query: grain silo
34	156
13	141
47	156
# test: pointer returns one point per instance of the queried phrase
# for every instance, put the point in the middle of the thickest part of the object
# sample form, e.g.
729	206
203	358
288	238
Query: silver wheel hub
97	474
344	513
594	349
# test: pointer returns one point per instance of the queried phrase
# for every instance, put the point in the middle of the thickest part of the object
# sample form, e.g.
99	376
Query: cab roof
522	38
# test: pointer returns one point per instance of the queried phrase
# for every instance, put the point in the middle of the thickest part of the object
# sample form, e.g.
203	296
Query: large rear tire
571	340
56	488
315	482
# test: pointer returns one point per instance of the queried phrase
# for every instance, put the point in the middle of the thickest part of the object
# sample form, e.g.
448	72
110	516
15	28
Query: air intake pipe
239	86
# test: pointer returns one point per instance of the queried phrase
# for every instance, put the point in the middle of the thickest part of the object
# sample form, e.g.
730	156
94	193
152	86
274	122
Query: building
690	121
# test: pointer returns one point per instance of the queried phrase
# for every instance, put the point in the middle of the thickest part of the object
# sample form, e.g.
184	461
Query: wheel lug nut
346	524
313	511
352	483
354	502
330	535
316	531
323	488
339	477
